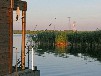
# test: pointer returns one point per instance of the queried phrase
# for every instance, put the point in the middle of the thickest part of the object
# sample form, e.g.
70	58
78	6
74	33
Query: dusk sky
86	14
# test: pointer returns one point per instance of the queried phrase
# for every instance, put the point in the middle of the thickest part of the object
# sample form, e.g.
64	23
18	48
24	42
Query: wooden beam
21	4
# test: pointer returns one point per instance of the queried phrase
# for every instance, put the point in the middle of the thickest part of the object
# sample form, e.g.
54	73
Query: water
62	62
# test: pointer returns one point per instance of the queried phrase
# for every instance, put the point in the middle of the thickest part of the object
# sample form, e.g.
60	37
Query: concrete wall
6	38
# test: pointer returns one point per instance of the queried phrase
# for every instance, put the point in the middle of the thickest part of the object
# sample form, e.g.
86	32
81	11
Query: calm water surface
60	62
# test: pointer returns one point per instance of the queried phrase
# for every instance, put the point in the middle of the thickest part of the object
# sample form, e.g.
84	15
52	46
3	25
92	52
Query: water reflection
65	51
54	60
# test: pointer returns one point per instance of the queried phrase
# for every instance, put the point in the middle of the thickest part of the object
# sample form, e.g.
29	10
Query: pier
27	72
6	38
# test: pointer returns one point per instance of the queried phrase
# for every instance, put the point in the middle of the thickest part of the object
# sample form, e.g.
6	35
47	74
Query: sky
86	14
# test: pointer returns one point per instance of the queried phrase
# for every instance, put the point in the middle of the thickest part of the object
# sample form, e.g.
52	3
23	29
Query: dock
27	72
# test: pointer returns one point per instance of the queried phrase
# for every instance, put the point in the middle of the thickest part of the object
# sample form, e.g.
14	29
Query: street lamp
69	23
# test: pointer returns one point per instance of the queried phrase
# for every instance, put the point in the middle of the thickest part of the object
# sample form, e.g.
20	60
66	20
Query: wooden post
11	41
23	6
10	12
23	39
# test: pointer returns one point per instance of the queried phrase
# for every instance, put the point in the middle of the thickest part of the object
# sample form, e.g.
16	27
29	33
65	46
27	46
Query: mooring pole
28	57
23	39
32	59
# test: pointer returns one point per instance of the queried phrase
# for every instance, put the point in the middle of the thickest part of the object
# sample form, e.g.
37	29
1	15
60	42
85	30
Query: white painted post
32	59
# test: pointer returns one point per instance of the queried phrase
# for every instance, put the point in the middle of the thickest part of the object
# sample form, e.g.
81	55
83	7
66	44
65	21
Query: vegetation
61	38
27	32
46	37
91	39
85	39
88	43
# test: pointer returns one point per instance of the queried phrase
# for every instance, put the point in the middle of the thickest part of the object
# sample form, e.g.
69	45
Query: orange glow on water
61	44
